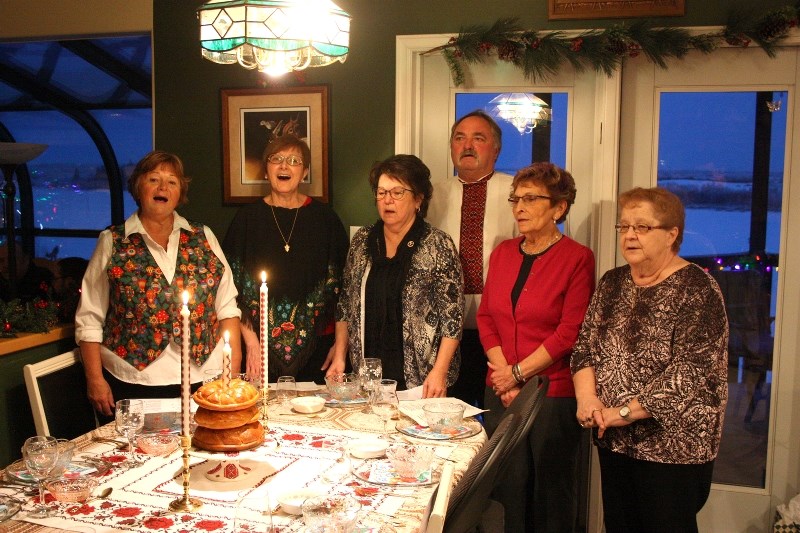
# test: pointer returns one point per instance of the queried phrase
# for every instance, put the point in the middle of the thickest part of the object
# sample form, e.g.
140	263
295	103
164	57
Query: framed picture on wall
586	9
252	118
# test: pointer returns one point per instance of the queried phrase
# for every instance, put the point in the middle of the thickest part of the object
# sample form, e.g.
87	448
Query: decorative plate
8	507
18	472
424	432
333	402
381	472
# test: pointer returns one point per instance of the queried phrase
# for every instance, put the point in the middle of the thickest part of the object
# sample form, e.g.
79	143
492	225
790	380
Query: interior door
426	109
718	130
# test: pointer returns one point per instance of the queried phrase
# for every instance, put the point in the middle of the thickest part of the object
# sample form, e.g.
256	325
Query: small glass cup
253	512
212	374
286	390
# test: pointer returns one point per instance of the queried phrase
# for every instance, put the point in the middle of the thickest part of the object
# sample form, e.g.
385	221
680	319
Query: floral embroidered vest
144	309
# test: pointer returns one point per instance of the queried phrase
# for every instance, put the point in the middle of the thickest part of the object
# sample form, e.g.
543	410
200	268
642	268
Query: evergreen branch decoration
541	54
38	316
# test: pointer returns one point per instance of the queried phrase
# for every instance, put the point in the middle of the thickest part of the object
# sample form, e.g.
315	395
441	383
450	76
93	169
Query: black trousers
649	497
539	490
472	374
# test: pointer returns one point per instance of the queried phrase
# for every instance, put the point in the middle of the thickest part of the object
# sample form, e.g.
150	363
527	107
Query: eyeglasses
397	193
638	229
291	160
527	199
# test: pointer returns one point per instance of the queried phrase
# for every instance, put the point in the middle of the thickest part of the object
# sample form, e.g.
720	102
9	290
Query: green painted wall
15	409
187	100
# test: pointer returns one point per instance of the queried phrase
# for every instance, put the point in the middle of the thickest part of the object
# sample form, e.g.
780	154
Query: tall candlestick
185	381
264	315
226	358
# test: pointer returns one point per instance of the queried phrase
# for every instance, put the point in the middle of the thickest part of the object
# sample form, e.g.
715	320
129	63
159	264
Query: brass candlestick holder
185	503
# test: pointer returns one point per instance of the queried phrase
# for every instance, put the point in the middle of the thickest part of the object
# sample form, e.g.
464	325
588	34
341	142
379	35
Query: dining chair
57	394
524	408
470	501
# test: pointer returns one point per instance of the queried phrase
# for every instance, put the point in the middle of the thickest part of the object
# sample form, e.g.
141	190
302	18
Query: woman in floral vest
128	323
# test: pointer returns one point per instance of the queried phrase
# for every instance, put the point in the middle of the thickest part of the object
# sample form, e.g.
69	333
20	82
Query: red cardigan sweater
549	311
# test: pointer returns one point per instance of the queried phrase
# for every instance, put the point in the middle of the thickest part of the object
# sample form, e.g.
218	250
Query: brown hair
409	170
497	133
559	183
667	206
284	142
151	162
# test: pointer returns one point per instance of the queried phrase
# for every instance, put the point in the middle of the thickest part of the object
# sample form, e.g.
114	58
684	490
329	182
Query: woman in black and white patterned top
650	372
403	291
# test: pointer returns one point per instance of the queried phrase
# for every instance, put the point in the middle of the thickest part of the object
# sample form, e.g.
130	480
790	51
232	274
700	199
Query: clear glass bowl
410	461
331	513
72	490
443	415
158	443
343	387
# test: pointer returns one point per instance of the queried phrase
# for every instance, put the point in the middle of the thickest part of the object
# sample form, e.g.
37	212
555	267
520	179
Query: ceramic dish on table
8	507
466	429
17	472
381	472
368	448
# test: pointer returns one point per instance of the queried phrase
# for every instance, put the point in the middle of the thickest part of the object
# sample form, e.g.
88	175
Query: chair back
471	495
57	394
524	408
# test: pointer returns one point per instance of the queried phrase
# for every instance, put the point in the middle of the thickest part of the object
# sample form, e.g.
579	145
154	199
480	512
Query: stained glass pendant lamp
274	36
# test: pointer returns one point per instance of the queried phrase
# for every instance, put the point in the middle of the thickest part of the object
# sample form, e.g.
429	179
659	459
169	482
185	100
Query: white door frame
783	482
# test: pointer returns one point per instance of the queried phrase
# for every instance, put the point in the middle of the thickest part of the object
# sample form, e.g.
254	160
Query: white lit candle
185	381
264	326
226	358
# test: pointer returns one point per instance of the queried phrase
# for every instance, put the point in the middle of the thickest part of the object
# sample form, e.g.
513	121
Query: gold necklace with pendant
285	240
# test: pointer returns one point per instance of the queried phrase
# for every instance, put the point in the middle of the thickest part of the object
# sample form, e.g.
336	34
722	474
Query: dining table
300	452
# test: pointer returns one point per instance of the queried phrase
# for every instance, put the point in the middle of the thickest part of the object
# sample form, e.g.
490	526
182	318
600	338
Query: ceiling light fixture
274	36
524	110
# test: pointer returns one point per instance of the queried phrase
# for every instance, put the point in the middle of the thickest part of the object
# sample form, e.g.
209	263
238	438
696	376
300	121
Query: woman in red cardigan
535	296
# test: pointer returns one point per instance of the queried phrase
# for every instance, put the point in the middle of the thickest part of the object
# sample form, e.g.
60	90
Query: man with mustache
473	209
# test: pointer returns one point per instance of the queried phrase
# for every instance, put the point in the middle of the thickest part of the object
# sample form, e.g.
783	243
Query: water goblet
286	390
370	374
41	455
129	418
338	446
387	404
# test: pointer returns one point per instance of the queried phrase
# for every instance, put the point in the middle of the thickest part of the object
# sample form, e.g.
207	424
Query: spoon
105	493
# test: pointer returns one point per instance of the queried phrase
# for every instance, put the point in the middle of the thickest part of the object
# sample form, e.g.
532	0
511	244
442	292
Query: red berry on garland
577	44
7	327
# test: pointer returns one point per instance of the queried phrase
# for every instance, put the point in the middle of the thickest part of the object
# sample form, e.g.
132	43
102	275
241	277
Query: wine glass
369	374
129	417
41	455
387	403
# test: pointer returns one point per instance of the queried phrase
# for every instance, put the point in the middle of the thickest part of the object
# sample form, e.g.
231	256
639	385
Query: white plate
291	501
368	448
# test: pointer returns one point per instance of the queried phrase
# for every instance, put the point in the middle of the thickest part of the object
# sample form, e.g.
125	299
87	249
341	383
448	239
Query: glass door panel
722	153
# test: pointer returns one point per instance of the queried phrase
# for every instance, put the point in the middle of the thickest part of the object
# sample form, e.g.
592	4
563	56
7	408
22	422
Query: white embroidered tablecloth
292	456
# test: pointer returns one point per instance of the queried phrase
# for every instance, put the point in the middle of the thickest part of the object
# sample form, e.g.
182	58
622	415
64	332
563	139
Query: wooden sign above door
587	9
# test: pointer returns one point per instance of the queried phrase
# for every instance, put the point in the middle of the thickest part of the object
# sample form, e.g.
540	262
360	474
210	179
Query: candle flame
185	297
227	336
263	276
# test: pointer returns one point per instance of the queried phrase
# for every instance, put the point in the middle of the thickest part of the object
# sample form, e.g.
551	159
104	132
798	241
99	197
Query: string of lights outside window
274	36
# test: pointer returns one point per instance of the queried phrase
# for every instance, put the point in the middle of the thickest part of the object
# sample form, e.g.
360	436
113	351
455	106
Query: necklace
285	240
552	241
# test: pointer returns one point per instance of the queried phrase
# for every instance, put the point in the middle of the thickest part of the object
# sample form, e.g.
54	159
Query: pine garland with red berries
540	54
38	316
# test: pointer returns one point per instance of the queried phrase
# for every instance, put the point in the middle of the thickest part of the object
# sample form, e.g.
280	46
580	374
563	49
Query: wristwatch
625	413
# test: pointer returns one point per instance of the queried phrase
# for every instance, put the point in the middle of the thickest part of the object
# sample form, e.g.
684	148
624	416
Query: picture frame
587	9
253	117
